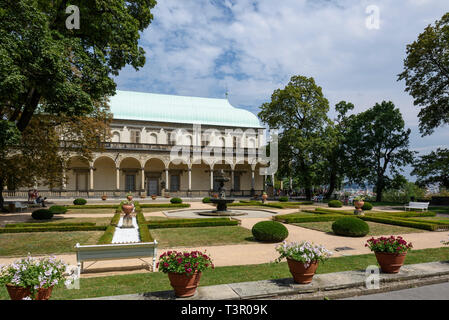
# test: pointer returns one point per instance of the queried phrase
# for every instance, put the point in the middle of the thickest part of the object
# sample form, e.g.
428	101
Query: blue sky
250	48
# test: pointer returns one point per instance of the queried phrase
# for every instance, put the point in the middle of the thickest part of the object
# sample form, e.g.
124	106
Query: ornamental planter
359	204
300	273
44	293
390	262
127	208
103	197
153	197
130	198
17	293
264	197
184	285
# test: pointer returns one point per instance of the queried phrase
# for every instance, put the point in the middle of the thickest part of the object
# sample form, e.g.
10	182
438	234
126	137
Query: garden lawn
58	219
19	244
443	210
158	281
376	229
210	236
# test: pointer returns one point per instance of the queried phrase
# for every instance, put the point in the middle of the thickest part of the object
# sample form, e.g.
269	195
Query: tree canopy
433	168
426	74
299	111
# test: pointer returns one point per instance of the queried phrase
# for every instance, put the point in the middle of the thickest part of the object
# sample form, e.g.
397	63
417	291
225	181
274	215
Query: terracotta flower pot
127	208
44	293
153	197
359	204
104	198
17	293
183	285
390	262
129	198
300	273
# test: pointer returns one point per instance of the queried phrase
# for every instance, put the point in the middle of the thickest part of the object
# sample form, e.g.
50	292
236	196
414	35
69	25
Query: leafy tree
299	112
377	146
426	74
54	80
433	168
335	166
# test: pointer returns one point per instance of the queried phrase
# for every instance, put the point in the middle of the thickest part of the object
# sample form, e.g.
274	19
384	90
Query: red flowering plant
389	245
184	262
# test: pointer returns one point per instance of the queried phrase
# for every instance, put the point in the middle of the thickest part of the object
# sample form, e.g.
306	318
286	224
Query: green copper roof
179	109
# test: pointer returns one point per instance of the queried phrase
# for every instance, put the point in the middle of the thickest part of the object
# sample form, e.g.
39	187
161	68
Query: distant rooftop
129	105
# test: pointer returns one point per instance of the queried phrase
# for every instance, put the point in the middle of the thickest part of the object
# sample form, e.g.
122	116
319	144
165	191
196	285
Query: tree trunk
308	191
2	200
379	190
332	184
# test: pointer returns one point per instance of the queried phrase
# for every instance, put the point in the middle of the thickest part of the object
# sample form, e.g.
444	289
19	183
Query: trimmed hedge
335	204
42	214
46	224
330	211
175	200
165	205
206	200
92	206
107	236
188	223
367	206
402	214
52	229
302	218
401	222
79	202
269	231
58	209
283	199
144	231
351	227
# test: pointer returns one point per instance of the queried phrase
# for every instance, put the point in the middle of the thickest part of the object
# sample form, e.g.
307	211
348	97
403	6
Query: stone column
167	180
252	179
117	182
211	179
232	180
190	179
142	182
91	181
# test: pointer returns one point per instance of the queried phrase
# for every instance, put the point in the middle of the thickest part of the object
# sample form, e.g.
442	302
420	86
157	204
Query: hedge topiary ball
283	199
269	231
42	214
367	206
176	200
335	204
58	209
79	202
350	227
206	200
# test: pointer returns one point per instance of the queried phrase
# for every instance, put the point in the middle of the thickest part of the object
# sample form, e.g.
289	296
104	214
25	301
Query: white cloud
251	47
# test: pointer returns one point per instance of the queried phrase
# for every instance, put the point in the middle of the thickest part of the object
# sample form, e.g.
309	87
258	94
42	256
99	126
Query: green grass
386	204
443	210
110	211
376	229
210	236
97	221
158	281
19	244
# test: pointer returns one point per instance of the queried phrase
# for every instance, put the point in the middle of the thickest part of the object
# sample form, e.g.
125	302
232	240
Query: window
237	182
135	136
174	183
116	137
153	138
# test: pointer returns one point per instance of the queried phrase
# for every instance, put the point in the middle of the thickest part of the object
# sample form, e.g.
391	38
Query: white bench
115	251
417	205
20	205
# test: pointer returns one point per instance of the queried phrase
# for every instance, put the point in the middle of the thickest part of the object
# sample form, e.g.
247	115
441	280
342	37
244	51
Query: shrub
335	204
206	200
176	200
42	214
367	206
58	209
283	199
79	202
184	223
302	218
351	227
269	231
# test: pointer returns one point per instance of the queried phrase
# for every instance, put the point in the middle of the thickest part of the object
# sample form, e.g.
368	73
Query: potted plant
359	202
184	270
390	252
302	259
264	197
31	278
153	196
142	196
104	197
129	196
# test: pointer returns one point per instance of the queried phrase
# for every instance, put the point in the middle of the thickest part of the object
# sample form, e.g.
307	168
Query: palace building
166	144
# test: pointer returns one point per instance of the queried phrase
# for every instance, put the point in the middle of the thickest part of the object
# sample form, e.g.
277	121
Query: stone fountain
221	201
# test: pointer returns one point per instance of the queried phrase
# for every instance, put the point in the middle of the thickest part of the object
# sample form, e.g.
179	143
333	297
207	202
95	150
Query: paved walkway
246	254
